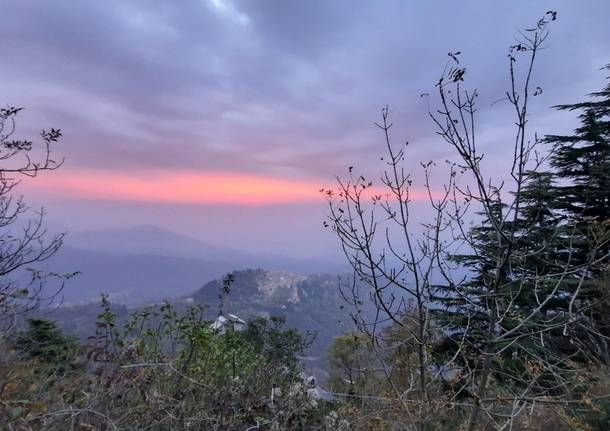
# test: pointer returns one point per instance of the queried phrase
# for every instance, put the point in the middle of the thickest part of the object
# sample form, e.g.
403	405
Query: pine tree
527	281
465	312
562	222
537	239
45	342
581	164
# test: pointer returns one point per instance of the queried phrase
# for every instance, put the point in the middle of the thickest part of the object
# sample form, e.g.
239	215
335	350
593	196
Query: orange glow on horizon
180	187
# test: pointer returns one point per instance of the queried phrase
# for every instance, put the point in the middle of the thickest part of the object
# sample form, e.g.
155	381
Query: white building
230	321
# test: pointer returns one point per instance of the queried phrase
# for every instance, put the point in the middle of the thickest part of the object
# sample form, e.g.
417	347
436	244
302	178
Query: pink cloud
179	187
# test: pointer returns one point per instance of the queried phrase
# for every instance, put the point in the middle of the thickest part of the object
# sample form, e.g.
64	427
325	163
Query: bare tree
410	277
398	273
24	241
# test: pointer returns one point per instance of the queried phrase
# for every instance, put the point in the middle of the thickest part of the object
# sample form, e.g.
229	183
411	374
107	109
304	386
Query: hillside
309	303
146	263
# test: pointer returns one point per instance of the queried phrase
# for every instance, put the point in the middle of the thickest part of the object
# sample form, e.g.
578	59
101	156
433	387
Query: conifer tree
563	222
581	164
45	342
528	277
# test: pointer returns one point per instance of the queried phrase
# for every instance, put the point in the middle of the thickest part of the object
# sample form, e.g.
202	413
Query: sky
221	119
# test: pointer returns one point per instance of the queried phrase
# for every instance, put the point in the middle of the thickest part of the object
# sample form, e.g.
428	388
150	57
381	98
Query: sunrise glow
184	188
169	187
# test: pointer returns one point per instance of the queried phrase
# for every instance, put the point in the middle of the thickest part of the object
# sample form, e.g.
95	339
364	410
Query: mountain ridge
147	263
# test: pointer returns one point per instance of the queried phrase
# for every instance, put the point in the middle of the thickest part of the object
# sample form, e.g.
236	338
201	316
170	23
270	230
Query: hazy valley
145	264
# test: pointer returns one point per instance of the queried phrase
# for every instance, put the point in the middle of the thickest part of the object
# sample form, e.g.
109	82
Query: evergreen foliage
562	222
44	341
581	195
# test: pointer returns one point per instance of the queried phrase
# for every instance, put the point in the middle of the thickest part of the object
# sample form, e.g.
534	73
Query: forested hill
309	303
146	263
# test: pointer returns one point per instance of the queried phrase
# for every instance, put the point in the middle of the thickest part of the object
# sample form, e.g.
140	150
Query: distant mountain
131	279
146	263
150	239
147	239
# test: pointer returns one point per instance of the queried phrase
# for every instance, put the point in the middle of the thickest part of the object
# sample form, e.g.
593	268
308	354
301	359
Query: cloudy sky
222	118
